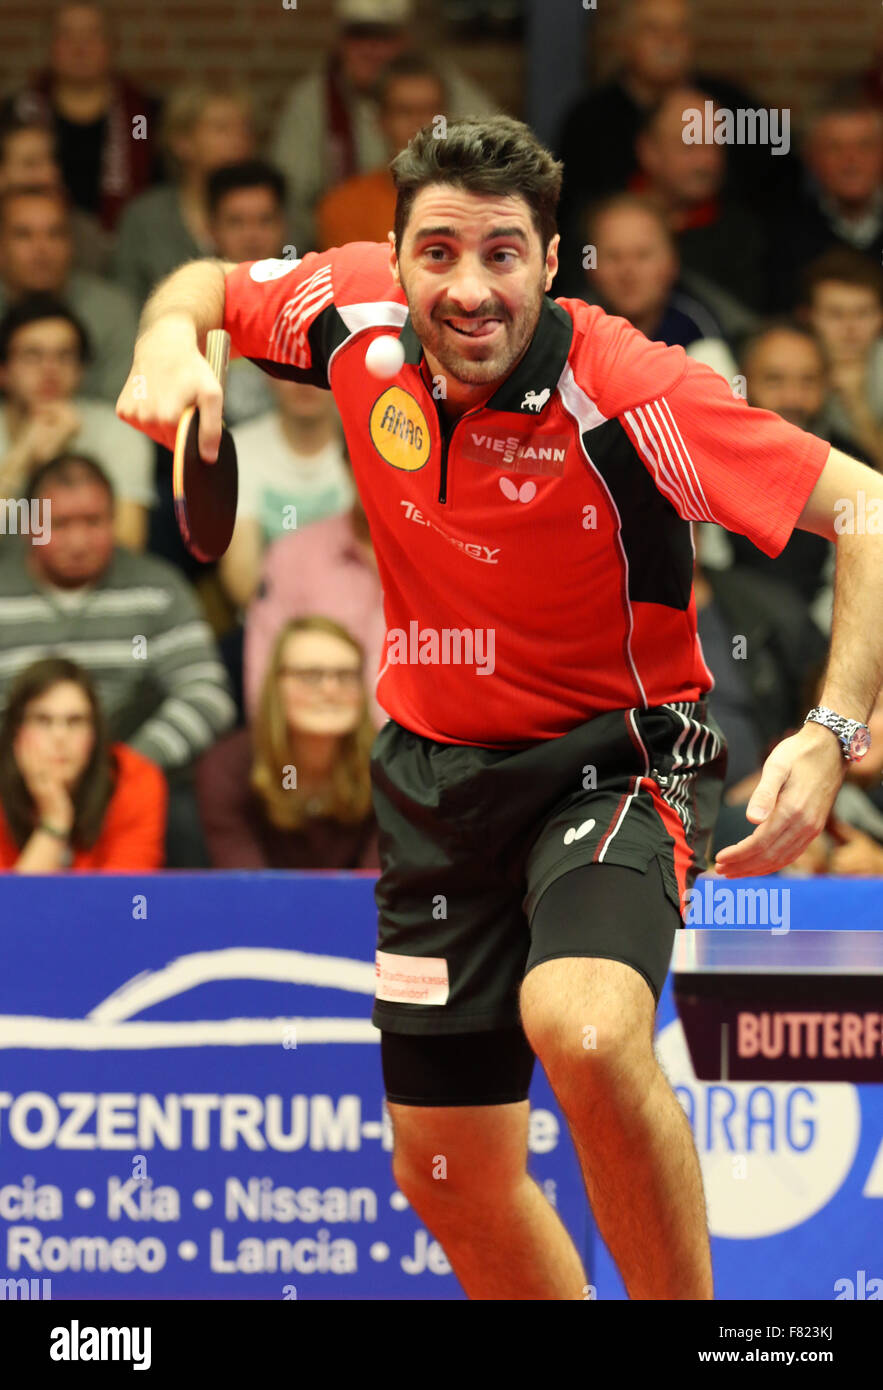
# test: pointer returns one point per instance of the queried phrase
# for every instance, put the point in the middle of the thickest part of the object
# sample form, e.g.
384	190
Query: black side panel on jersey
656	539
325	333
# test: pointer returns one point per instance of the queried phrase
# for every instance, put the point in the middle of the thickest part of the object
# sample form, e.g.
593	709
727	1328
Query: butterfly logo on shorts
577	832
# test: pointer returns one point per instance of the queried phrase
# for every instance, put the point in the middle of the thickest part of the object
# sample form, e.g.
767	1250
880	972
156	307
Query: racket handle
217	353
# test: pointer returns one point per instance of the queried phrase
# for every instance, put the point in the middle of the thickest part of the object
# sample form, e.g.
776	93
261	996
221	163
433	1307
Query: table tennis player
550	772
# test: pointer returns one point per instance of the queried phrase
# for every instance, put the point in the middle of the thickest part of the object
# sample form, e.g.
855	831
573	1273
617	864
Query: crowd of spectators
157	712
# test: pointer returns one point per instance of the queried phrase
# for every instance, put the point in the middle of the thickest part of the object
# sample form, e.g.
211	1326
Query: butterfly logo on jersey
526	493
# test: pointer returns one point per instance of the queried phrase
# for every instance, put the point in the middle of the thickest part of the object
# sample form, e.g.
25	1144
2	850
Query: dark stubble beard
476	371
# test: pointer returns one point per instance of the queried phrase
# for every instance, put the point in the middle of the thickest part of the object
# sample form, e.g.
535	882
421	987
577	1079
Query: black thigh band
610	912
493	1068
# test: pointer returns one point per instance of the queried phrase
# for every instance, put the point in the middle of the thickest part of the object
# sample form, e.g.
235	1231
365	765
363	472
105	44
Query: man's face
786	373
409	104
35	244
474	275
28	158
636	264
658	44
845	154
81	49
80	530
847	318
44	364
249	225
366	50
222	135
684	173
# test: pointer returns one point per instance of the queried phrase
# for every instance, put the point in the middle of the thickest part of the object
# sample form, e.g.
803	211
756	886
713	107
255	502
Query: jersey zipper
443	475
446	437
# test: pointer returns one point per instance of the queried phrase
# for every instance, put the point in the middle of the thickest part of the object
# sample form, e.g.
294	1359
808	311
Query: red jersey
536	556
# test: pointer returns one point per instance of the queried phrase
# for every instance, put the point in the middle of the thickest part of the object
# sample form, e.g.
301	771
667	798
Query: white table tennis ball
385	356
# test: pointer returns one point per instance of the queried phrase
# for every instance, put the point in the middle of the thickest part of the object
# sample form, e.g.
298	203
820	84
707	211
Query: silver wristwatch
855	737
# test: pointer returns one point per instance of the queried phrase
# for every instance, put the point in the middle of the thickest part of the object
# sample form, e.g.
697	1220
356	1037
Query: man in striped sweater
129	619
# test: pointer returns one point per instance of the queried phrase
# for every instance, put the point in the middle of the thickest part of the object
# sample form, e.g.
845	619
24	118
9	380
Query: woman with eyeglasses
69	798
294	790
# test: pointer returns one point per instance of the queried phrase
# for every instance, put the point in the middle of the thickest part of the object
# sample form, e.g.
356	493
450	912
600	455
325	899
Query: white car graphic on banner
111	1025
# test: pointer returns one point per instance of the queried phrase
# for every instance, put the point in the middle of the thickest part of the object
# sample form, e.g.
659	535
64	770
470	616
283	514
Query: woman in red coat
69	799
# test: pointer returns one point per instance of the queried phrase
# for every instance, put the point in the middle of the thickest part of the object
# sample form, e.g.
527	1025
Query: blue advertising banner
191	1100
191	1106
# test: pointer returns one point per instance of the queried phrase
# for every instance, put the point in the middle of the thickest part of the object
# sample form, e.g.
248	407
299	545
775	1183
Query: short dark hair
751	341
630	202
845	265
70	470
493	155
13	121
54	193
245	173
845	97
410	64
33	308
652	114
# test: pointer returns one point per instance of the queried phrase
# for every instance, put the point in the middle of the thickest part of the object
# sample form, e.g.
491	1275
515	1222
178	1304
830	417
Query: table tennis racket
206	493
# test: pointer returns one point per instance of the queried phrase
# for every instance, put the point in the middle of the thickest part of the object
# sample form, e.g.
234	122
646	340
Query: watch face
859	744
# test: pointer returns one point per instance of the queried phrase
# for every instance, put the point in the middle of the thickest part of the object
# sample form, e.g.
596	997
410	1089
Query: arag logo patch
399	430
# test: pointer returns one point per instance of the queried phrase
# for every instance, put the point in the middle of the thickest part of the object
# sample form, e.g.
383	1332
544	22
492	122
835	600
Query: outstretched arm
802	775
846	506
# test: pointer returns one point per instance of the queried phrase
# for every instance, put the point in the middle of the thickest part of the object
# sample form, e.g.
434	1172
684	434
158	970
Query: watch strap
52	830
840	726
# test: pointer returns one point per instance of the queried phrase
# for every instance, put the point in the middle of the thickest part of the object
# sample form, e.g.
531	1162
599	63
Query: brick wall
783	49
162	41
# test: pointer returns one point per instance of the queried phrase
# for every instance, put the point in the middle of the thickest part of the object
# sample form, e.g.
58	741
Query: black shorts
473	840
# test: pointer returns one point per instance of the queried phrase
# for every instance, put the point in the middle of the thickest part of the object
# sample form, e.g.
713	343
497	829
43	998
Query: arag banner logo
399	431
773	1154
